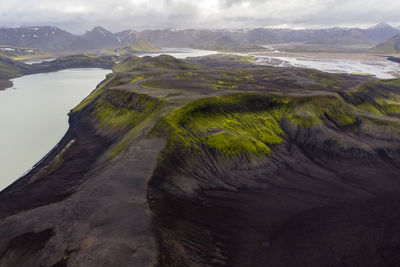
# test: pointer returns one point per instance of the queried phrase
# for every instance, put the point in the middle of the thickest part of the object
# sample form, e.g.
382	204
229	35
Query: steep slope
98	37
126	37
215	162
11	69
391	46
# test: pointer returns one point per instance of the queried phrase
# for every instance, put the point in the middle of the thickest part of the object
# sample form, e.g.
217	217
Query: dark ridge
394	59
23	249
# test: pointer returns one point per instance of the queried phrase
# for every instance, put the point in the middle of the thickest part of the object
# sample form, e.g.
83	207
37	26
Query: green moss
186	75
310	111
376	98
115	117
231	144
21	53
127	64
119	109
326	80
100	89
224	85
361	74
138	46
232	57
246	121
395	82
148	120
125	112
137	78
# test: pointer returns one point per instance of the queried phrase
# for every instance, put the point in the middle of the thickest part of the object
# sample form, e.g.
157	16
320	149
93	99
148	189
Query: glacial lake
33	116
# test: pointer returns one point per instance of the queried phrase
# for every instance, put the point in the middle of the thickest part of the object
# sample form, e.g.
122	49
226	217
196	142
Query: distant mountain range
52	39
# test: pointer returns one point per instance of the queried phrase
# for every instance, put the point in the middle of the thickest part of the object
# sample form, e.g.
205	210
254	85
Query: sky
78	16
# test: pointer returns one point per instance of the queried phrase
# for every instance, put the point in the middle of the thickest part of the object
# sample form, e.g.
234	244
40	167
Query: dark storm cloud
79	15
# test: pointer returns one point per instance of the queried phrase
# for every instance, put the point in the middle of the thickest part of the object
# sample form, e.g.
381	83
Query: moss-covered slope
138	46
391	46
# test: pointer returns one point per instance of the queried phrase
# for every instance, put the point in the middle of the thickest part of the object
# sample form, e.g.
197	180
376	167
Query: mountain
45	38
391	46
381	32
260	36
52	39
98	37
215	162
125	37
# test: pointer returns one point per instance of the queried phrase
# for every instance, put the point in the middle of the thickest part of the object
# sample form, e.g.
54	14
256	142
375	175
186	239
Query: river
33	116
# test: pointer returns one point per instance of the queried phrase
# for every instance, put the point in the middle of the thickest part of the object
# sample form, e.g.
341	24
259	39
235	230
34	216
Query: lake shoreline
39	104
5	84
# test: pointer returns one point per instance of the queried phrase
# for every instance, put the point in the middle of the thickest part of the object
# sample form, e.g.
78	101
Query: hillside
163	160
11	69
391	46
18	53
138	46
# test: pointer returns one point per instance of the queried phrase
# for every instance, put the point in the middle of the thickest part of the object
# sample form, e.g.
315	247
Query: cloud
80	15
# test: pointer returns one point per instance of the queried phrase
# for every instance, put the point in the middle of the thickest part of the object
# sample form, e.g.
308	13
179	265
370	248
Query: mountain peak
99	30
381	25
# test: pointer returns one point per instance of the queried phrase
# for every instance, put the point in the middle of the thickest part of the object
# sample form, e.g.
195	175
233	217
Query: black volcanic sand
394	59
5	84
312	202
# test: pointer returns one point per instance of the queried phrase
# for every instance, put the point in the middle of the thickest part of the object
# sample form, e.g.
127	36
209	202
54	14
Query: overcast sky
79	15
